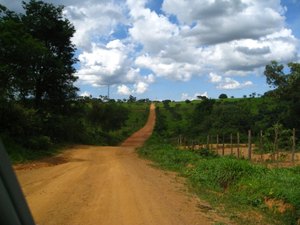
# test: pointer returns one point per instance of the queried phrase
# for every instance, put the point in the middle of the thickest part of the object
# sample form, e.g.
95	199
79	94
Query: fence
259	147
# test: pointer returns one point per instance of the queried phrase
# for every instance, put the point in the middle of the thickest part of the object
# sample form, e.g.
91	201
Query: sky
179	49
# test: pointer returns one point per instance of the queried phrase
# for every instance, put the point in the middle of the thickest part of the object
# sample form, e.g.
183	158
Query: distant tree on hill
131	99
223	96
202	97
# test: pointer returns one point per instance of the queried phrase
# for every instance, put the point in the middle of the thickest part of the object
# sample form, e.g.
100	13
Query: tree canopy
286	88
36	55
223	96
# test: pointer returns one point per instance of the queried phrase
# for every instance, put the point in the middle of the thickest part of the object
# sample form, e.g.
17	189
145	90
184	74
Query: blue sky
174	49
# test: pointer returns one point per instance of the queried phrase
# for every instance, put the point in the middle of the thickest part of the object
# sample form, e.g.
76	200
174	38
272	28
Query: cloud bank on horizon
130	44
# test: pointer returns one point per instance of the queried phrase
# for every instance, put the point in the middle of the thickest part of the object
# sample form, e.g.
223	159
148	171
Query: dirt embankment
110	186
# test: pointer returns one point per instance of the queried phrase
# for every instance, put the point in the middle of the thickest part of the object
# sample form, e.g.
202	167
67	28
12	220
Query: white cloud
151	30
123	90
238	19
185	96
244	41
85	94
104	64
215	78
94	19
234	38
230	84
227	83
141	87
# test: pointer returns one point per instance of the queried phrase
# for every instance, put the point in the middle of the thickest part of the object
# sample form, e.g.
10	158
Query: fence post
180	140
207	144
249	145
217	142
294	145
231	146
276	142
223	146
238	144
261	145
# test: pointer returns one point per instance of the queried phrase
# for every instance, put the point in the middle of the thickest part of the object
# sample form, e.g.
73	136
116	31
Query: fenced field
279	147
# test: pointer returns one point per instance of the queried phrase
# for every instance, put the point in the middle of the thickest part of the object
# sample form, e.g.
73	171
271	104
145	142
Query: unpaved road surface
90	185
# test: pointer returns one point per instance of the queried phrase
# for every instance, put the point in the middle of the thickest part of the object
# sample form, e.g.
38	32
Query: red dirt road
110	186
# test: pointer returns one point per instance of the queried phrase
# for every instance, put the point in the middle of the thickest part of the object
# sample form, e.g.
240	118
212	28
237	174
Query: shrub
222	172
39	143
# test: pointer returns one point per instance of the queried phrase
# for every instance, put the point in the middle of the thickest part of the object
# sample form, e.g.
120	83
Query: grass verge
248	193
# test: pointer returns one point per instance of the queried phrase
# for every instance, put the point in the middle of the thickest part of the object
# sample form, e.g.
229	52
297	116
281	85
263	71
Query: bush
222	172
205	152
39	143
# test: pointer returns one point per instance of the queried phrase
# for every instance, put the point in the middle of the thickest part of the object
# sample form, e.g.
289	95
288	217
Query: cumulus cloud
224	21
230	84
139	87
93	19
104	64
215	78
186	39
237	36
111	64
123	90
227	83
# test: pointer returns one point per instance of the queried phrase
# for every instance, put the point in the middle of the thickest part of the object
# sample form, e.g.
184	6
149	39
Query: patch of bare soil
278	205
90	185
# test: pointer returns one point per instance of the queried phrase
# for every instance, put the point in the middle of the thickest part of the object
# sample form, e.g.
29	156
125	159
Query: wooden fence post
231	145
223	146
238	144
276	142
217	142
207	144
294	145
249	145
261	145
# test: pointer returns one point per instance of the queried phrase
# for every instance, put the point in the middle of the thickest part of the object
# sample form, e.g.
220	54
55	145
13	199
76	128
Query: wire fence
274	145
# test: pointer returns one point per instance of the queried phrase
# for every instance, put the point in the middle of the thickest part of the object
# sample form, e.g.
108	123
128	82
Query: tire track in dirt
110	186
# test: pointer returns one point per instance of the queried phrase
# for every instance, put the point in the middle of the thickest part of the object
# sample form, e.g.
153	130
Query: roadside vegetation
39	108
247	193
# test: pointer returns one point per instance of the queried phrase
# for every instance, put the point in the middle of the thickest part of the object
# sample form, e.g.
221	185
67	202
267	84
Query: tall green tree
37	55
20	56
55	78
286	88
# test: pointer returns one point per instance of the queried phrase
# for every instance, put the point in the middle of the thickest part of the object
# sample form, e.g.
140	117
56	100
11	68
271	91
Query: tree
131	99
223	96
202	97
286	88
37	55
20	55
56	76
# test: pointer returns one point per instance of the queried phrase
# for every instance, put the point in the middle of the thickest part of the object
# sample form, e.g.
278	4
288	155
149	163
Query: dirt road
90	185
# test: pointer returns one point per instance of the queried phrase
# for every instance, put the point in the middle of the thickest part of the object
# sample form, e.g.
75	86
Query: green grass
240	186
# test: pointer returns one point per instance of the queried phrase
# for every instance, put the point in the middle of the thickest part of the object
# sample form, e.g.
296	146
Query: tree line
277	110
